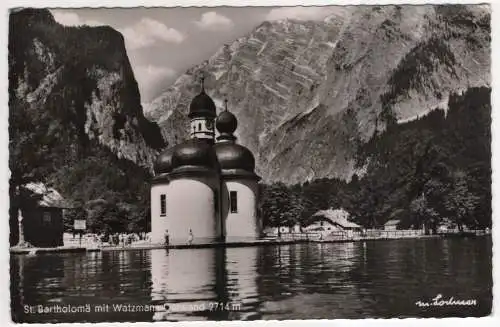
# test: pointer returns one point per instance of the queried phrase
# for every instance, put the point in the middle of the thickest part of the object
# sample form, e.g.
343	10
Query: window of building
216	200
163	205
199	126
209	125
47	218
233	201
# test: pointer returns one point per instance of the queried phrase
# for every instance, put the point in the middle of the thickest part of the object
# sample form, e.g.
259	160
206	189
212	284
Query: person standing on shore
167	238
190	237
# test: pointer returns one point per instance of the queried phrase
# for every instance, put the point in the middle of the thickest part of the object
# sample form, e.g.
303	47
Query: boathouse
392	224
331	220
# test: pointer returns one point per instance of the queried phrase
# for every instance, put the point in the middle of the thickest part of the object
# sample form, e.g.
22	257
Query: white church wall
225	206
158	222
202	128
191	206
244	224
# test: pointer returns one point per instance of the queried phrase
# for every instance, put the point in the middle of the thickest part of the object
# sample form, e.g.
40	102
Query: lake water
300	281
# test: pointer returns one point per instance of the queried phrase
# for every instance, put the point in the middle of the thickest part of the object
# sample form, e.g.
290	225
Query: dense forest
430	171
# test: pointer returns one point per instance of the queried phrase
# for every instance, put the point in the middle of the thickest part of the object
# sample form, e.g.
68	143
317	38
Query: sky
162	43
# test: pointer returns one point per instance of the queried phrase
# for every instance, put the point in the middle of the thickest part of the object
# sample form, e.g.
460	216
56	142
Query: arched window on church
216	201
163	205
233	201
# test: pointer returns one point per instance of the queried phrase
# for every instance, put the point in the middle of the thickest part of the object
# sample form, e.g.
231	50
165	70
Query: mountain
308	94
75	116
86	71
434	170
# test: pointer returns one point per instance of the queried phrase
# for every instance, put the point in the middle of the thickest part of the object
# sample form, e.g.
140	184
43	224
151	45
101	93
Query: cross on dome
202	105
202	80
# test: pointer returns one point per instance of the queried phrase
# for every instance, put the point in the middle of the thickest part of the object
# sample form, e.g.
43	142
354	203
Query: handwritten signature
439	301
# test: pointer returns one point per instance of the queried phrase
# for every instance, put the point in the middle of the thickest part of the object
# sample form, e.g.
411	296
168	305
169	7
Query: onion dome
194	154
163	163
226	123
234	156
235	160
202	105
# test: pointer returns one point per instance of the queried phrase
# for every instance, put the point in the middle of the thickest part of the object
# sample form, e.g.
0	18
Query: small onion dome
194	153
226	122
202	106
234	156
163	163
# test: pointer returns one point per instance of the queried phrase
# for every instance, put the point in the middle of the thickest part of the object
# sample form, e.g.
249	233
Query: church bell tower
202	113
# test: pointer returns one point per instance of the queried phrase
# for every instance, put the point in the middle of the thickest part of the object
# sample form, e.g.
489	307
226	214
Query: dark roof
163	163
202	105
234	156
50	198
226	122
194	153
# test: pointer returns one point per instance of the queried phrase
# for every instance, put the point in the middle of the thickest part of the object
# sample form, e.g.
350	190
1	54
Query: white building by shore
205	189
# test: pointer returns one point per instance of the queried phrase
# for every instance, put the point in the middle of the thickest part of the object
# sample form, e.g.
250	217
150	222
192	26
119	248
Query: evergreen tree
460	202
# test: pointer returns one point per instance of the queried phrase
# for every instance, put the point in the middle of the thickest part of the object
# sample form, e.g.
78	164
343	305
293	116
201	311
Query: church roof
194	153
234	156
202	105
227	157
163	163
226	122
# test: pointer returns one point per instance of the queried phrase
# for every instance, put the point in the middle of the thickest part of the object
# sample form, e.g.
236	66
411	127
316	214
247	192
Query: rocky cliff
76	121
307	94
80	76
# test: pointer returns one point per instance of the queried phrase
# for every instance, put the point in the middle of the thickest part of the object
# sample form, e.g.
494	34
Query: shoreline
35	250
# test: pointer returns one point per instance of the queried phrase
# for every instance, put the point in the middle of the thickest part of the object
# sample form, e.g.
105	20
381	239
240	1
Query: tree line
431	171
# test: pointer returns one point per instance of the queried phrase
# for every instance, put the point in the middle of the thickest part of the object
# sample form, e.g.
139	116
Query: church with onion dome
205	189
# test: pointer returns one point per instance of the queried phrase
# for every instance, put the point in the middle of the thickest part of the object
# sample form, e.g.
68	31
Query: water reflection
298	281
243	295
186	281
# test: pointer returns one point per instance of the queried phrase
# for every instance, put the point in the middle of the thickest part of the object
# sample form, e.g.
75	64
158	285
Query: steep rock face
81	79
307	94
76	123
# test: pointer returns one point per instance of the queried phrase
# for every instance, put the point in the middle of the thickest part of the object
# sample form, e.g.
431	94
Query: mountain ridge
352	68
97	57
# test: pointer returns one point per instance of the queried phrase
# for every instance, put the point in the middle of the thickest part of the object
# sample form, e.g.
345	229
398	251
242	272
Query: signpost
21	242
80	225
